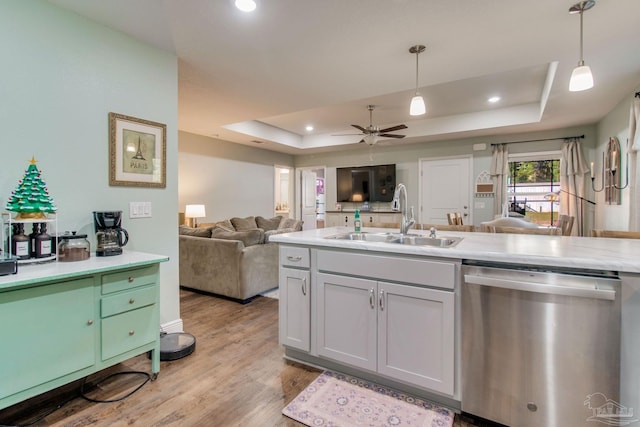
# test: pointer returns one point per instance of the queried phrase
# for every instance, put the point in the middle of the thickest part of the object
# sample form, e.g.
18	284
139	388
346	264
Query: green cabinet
47	332
70	322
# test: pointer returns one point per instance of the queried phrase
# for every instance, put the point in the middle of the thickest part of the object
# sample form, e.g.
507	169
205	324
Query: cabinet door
346	316
416	336
295	308
48	332
390	217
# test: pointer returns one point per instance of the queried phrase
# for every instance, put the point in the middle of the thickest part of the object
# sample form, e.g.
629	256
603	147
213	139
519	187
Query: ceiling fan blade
393	128
391	135
345	134
359	128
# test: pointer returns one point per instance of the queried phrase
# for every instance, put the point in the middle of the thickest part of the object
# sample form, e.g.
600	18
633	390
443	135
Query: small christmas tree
31	198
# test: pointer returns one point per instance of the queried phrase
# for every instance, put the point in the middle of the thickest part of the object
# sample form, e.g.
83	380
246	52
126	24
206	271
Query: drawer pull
130	279
381	300
131	332
304	286
131	301
294	258
90	322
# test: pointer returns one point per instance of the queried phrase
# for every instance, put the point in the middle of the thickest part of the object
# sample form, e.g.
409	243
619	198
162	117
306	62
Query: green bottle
356	221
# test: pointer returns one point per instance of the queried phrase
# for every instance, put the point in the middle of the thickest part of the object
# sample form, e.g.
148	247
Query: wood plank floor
236	377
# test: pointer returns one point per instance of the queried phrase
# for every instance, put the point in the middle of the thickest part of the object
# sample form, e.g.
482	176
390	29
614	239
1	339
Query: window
532	180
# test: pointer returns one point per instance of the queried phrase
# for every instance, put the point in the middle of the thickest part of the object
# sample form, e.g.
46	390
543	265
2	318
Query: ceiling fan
373	133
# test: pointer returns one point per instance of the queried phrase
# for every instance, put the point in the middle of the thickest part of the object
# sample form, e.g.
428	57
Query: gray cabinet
294	298
403	332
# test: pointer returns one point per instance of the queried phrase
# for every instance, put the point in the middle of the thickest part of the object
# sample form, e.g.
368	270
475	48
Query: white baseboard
172	327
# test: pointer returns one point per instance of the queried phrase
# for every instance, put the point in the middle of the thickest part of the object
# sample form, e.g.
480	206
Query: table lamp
192	212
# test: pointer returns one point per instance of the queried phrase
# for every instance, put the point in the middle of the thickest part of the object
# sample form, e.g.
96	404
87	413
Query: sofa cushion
268	234
251	237
290	223
268	224
241	224
185	230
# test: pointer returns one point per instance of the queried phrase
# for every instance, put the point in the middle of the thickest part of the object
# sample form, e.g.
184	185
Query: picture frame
137	152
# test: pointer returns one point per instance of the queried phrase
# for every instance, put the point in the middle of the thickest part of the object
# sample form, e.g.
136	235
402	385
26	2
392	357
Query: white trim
172	326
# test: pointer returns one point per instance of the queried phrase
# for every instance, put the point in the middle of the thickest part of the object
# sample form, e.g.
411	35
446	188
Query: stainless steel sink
367	237
397	238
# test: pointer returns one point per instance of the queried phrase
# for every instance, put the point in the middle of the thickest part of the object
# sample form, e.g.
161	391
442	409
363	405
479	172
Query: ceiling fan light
417	107
581	78
370	139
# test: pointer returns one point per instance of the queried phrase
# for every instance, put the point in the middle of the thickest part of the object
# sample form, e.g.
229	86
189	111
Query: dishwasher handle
521	285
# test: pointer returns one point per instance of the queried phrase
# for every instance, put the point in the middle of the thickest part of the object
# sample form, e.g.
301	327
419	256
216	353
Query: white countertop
555	251
55	270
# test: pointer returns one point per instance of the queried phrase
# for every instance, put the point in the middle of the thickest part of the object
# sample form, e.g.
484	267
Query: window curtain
499	173
573	168
634	165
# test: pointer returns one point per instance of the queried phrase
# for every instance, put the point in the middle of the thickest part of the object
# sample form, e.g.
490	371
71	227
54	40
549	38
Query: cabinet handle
131	301
304	286
130	279
372	299
131	332
90	322
294	258
381	300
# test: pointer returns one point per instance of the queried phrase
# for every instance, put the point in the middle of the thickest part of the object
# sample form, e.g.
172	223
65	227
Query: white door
308	199
445	187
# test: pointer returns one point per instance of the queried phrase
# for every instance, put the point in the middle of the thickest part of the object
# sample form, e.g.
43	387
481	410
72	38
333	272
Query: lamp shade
194	211
581	79
417	106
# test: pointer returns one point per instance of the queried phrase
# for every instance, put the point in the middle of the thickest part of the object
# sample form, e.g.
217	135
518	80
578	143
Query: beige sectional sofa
232	258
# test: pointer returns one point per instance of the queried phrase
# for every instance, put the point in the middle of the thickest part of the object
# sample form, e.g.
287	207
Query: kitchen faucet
400	204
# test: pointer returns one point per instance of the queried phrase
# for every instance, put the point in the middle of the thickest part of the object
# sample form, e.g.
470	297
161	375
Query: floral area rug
333	400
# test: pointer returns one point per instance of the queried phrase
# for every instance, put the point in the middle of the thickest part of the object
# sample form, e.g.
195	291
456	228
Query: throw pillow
195	232
226	224
268	224
241	224
290	223
248	237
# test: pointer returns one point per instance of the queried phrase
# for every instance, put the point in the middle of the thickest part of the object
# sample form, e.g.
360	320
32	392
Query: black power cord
82	393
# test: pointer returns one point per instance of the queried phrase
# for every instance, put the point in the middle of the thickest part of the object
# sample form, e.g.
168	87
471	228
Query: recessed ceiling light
308	128
494	99
246	5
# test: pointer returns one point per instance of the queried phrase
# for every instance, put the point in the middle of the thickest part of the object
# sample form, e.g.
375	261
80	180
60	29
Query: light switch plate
139	209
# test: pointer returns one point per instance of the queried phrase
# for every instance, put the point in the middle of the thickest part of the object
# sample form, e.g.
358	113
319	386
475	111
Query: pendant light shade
417	107
581	78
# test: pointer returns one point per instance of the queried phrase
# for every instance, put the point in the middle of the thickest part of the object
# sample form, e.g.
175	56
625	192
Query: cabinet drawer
441	274
115	282
128	331
292	256
127	301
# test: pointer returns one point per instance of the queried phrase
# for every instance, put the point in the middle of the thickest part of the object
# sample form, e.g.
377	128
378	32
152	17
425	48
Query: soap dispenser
356	221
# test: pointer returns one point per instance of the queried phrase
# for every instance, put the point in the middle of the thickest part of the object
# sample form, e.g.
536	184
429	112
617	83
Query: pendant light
417	106
581	78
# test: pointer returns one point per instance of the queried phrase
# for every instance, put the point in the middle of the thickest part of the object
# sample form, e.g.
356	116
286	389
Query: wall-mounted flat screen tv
366	183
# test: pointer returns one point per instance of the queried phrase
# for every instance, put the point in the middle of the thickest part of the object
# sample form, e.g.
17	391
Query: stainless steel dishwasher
536	344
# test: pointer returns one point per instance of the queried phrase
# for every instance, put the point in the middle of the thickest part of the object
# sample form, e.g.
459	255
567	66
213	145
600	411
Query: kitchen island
391	312
62	321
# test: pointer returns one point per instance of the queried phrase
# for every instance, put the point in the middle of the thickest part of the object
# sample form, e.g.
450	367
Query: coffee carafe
110	235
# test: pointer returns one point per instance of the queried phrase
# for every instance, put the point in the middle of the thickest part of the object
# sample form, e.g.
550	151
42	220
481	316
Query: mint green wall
61	75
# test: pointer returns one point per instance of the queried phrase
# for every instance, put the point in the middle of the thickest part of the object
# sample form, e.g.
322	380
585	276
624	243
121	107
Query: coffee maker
109	233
